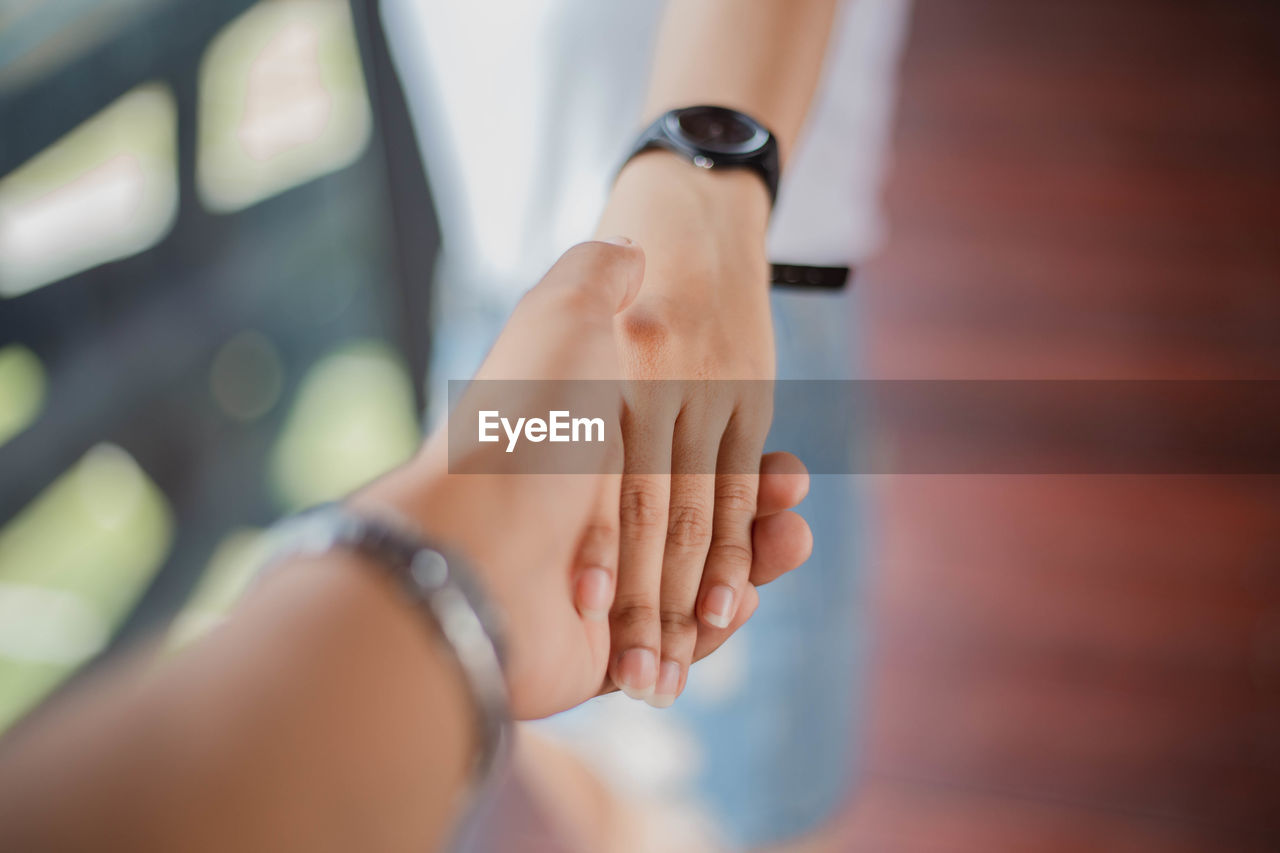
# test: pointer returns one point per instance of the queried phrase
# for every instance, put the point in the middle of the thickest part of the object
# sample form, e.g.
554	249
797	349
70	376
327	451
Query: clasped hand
599	574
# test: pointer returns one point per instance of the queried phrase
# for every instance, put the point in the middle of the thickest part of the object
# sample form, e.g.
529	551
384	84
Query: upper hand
690	490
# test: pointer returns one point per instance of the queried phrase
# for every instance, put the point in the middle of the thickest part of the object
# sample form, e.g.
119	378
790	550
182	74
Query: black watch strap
803	277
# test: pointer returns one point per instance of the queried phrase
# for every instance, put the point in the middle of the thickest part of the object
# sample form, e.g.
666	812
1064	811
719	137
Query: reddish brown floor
1081	188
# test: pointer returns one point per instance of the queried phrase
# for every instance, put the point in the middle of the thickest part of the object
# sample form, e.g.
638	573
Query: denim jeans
780	750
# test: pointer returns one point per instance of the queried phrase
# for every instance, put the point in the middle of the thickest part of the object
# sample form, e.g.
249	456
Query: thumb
598	279
563	327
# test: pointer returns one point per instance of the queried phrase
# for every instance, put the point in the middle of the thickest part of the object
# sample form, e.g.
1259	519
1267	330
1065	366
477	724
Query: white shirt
525	109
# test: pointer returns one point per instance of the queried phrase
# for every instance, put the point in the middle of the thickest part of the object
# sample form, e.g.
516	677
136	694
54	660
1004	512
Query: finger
779	546
594	573
642	511
729	556
781	542
784	481
689	526
596	563
710	639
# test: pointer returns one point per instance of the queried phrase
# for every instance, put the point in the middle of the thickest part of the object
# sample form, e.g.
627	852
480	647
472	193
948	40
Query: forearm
324	717
762	57
706	228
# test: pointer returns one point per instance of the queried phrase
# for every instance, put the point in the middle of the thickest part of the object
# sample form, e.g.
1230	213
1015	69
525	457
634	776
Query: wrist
733	196
441	587
423	492
444	508
696	225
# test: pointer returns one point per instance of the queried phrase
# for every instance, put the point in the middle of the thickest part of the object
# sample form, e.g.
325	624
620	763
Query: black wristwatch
717	137
713	138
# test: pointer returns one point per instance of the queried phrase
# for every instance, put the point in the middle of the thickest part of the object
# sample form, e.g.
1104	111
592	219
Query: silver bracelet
439	584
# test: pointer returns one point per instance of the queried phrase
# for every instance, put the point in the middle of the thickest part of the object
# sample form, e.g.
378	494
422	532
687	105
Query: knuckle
641	506
735	495
645	329
679	623
734	553
599	543
601	529
689	526
753	412
632	614
762	410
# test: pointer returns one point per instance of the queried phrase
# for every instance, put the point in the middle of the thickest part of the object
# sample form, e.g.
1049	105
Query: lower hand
532	537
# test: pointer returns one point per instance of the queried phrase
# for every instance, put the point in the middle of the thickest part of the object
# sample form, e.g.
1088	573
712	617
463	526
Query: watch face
718	129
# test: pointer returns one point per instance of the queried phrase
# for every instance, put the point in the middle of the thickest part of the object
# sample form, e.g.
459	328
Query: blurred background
205	287
215	251
1087	189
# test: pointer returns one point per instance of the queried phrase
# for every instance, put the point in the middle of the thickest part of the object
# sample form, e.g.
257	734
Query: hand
687	543
530	535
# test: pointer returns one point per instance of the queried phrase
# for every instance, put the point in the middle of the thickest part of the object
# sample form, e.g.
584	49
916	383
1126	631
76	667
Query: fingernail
637	669
717	607
664	693
620	241
595	594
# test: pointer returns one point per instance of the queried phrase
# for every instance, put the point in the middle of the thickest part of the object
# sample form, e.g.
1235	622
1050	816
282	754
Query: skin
686	537
326	715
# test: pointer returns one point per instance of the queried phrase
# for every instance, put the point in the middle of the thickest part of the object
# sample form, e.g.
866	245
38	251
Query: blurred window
104	191
39	36
282	101
253	349
22	389
353	419
72	565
